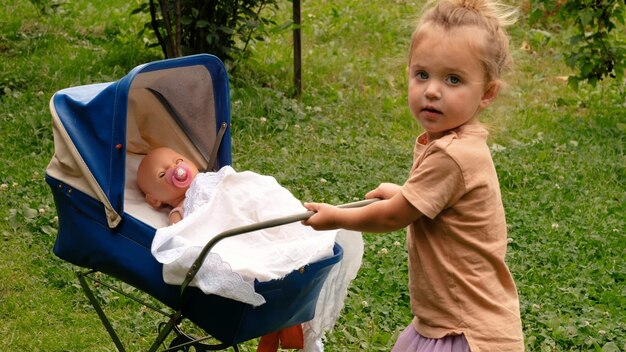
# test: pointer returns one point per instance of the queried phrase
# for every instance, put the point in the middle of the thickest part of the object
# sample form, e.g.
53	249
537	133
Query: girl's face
447	86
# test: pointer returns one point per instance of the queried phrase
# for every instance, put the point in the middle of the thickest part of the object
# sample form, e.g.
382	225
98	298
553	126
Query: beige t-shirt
458	280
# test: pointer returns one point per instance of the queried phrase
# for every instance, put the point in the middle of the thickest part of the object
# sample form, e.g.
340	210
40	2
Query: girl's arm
387	215
384	191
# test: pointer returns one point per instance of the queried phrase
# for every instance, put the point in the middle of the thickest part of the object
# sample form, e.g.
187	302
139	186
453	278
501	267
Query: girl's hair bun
492	16
504	14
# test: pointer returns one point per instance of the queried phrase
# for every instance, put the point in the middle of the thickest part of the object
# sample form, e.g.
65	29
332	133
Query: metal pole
297	49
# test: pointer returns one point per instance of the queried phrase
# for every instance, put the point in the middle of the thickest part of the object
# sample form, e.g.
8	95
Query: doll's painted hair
491	16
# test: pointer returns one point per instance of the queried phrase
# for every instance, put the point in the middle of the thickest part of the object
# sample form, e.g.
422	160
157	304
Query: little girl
462	294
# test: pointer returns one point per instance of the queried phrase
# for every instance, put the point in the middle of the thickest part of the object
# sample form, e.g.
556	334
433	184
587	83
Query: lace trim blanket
230	199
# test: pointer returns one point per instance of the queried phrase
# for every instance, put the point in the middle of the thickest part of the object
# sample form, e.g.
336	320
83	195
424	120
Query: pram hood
179	103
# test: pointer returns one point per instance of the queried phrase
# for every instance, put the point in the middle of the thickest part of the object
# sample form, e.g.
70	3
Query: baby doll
164	176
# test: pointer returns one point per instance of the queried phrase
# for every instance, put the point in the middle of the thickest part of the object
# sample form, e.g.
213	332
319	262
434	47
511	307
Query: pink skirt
411	341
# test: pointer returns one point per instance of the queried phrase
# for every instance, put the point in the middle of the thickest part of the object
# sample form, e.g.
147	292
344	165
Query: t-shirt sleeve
435	184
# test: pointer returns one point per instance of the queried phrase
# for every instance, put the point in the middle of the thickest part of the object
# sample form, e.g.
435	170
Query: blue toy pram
98	131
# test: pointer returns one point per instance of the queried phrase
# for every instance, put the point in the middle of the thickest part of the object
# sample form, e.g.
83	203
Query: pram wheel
185	343
182	343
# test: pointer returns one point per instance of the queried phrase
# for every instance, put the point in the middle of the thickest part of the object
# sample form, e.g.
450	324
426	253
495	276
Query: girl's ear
491	93
155	203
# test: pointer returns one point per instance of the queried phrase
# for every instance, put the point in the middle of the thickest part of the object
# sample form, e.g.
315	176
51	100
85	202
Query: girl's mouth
431	110
431	114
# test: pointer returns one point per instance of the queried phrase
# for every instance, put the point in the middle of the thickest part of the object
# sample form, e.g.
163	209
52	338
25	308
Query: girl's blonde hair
491	16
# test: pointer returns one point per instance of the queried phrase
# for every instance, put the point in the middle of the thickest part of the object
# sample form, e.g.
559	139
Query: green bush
220	27
597	49
46	6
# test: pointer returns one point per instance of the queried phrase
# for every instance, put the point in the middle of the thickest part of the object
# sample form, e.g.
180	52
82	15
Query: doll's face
164	176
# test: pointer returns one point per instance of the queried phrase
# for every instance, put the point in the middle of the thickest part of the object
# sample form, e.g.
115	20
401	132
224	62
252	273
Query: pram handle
195	267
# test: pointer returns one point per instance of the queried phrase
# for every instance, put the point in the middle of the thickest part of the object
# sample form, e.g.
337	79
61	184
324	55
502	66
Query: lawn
559	154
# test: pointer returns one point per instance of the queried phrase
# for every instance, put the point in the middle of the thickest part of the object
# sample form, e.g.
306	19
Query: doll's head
164	176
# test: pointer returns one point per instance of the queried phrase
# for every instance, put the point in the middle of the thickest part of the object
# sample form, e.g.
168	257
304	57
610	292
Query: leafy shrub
220	27
46	6
596	49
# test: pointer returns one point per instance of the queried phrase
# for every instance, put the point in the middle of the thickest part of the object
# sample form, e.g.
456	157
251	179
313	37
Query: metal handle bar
195	267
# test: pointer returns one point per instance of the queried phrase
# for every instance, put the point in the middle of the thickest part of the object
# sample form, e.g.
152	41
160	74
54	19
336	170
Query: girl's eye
421	75
161	174
178	161
454	80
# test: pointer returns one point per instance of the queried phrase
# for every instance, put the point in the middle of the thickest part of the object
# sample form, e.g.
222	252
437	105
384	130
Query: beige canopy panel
172	107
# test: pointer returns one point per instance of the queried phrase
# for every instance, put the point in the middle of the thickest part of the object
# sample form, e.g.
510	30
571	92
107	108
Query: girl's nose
432	91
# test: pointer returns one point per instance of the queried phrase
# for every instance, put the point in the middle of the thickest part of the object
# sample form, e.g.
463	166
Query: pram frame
176	317
181	342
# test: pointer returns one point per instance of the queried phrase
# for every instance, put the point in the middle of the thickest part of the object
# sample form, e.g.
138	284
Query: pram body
183	104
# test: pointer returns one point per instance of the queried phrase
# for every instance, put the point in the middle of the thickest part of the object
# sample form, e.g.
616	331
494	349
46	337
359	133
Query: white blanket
231	200
228	199
334	291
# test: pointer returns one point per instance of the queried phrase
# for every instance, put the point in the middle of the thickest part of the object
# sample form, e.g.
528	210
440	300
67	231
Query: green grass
559	154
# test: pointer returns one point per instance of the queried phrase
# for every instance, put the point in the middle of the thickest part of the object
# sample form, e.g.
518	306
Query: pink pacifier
179	176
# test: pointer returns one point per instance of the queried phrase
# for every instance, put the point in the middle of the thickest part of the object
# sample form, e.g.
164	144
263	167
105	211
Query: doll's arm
175	215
